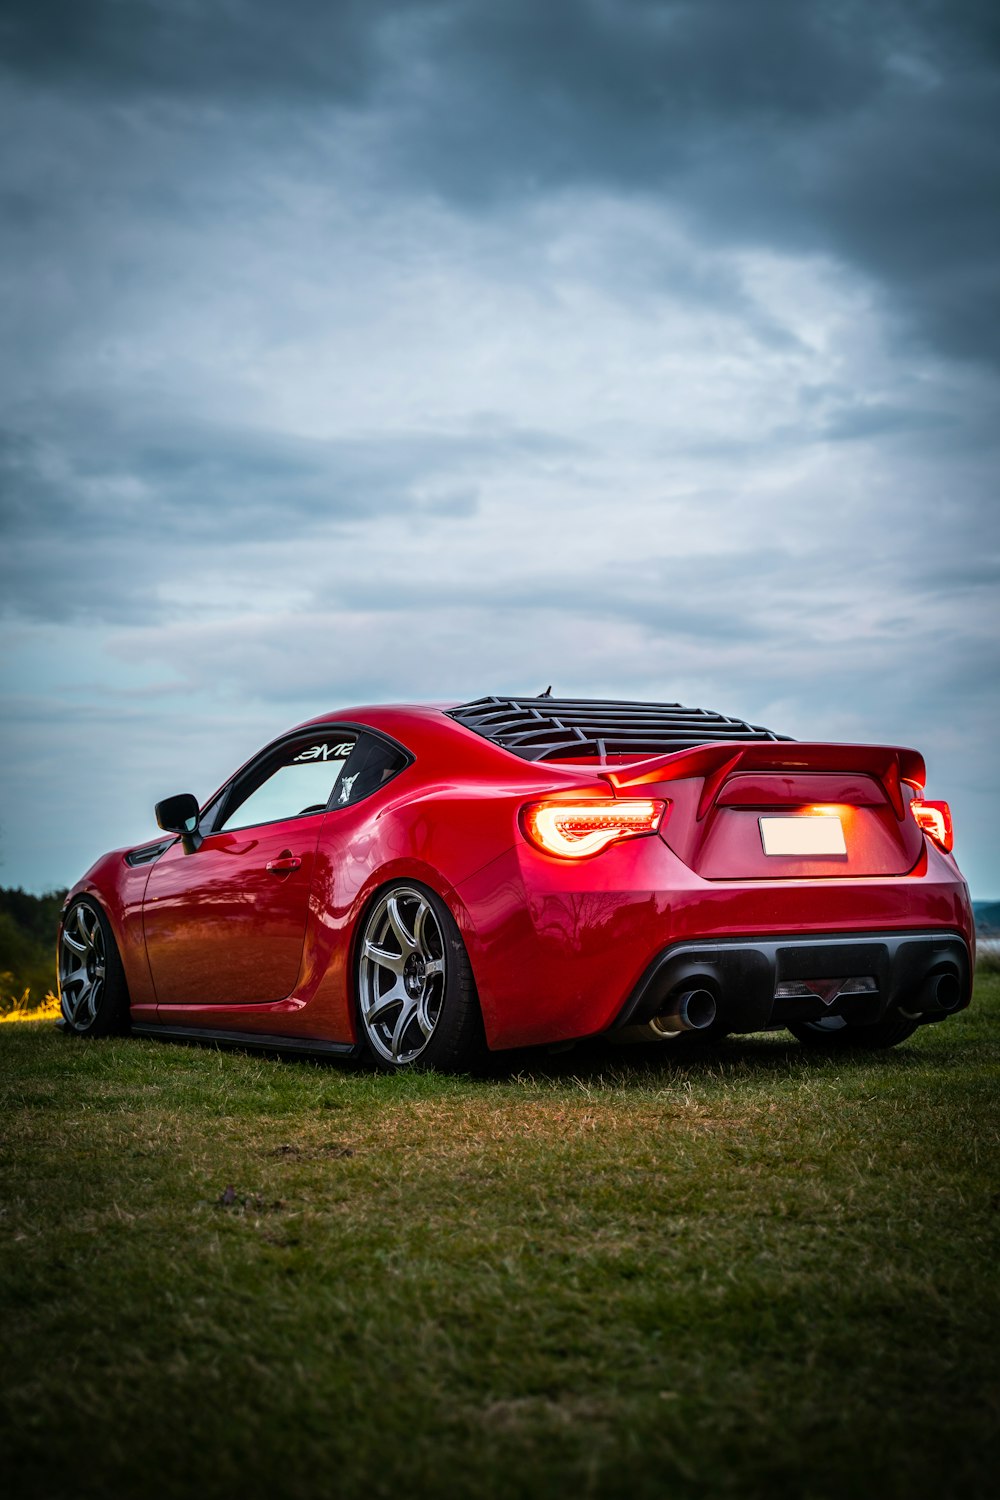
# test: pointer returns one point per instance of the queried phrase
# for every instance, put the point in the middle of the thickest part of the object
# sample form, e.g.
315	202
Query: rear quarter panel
439	833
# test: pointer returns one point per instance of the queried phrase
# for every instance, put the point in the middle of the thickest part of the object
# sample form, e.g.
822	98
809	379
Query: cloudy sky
359	350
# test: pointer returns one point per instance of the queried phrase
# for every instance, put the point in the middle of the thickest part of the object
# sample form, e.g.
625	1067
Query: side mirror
180	815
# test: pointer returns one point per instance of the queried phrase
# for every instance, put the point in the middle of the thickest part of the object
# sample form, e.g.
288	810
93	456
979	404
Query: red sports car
415	883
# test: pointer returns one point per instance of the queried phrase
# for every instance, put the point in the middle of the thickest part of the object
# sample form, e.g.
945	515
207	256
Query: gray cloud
868	129
404	348
99	512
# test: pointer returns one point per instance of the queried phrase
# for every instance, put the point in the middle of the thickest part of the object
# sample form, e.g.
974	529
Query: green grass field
605	1273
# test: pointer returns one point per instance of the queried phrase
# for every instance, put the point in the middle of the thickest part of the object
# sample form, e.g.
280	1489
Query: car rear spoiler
889	765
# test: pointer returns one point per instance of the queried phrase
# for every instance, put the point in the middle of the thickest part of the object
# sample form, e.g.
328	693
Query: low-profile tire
93	994
834	1034
416	996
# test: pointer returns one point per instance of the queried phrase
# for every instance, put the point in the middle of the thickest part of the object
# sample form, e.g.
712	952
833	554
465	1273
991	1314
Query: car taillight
574	830
935	819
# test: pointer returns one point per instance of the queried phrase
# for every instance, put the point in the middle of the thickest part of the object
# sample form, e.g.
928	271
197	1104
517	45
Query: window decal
324	752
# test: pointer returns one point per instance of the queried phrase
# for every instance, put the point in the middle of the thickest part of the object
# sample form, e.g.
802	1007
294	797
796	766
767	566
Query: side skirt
250	1041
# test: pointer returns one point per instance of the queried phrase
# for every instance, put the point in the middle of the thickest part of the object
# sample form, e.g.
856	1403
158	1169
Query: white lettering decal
324	752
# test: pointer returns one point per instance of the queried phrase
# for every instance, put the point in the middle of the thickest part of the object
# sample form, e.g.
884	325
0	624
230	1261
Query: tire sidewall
112	1018
458	1031
888	1032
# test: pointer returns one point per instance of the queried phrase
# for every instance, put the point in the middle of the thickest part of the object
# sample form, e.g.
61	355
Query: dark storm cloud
211	48
867	130
627	60
863	128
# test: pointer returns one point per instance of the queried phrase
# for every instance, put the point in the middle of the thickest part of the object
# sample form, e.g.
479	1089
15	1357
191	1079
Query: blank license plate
822	834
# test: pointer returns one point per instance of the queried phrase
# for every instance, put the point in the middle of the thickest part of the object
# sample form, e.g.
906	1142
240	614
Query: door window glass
296	781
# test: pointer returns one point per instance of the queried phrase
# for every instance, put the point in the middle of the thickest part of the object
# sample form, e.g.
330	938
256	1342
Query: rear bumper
744	975
560	952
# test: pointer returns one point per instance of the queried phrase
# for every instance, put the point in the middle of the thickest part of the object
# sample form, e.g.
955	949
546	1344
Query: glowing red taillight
935	819
574	830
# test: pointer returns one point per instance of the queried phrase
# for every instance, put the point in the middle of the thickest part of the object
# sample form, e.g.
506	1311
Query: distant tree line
28	943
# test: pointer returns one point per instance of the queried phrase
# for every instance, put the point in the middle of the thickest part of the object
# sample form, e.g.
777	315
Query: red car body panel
214	940
587	946
241	940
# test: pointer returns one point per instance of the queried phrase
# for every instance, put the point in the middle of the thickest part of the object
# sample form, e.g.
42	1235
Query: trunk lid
731	807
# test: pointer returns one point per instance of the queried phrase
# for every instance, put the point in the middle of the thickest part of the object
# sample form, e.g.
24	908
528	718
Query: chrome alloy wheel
401	975
82	967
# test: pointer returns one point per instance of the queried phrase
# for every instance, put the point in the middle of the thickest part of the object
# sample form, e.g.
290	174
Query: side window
296	780
373	764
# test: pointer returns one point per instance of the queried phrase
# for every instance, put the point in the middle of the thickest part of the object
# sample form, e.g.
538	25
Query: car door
225	924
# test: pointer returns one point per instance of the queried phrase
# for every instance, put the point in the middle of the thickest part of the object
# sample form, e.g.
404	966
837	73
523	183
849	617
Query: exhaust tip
947	993
691	1010
939	994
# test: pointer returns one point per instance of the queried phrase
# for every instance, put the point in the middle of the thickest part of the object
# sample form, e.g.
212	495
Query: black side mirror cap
180	815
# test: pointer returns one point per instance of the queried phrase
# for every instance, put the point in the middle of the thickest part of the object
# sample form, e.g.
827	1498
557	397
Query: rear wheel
833	1033
417	1003
93	994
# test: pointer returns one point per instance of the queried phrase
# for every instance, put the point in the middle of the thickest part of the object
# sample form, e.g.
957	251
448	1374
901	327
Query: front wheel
93	994
417	1003
834	1034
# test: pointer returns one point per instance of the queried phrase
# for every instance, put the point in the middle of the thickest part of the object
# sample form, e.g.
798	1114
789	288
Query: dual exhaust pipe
693	1007
686	1010
689	1007
939	994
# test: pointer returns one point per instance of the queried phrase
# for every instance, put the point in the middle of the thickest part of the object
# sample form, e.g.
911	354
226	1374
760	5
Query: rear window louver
567	728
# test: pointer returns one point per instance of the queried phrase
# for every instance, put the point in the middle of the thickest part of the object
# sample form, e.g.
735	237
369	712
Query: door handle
284	864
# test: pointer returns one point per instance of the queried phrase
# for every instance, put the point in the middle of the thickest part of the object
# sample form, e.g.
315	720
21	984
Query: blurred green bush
27	946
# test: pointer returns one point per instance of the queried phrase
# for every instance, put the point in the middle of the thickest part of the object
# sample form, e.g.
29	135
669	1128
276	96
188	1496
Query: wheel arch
409	873
124	917
111	1014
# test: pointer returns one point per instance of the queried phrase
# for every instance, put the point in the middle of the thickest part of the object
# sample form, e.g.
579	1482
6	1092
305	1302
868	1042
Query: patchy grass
741	1272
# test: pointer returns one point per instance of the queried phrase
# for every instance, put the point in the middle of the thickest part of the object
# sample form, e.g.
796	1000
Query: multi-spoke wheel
832	1033
92	989
416	998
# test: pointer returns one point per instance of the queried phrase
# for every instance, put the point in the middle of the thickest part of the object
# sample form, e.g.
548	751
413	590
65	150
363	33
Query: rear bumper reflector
826	990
